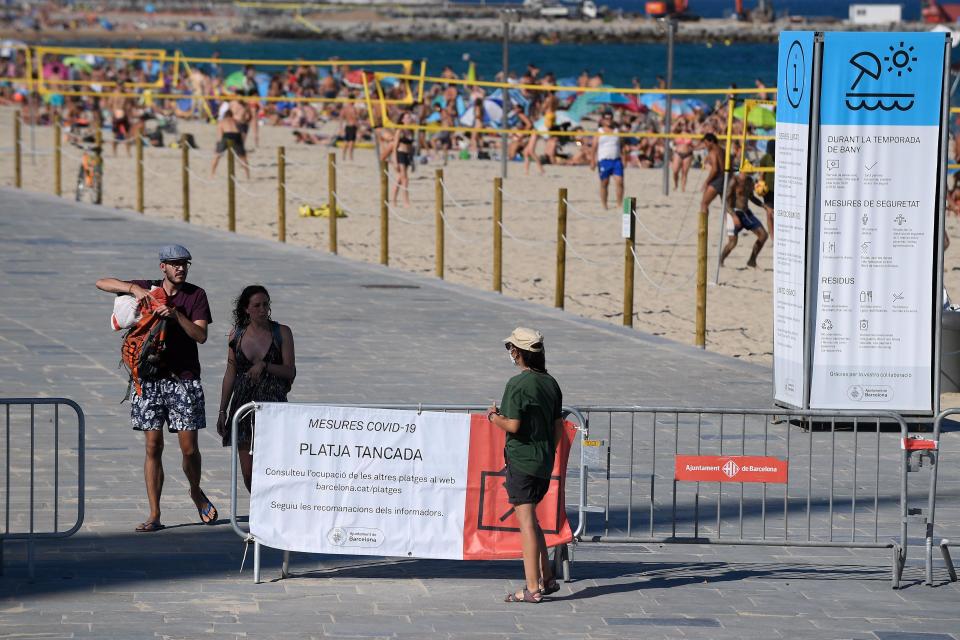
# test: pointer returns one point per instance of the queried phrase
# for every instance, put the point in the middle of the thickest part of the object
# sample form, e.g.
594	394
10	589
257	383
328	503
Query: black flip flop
208	511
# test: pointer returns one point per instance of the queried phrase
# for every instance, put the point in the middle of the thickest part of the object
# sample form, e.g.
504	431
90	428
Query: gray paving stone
363	344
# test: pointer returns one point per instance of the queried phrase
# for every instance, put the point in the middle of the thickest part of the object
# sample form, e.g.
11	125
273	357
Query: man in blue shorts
741	218
608	158
176	397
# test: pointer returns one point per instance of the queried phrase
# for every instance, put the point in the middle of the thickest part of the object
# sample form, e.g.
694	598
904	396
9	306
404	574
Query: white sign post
871	217
876	282
795	82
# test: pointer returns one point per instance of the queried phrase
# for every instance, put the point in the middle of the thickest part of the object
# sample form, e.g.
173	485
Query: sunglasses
179	263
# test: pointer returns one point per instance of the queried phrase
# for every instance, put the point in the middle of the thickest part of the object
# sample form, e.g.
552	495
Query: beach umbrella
696	103
759	117
78	63
607	97
564	96
493	111
54	69
262	81
354	79
235	80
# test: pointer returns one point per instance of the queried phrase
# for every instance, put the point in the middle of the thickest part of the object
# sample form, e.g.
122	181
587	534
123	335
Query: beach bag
126	310
143	346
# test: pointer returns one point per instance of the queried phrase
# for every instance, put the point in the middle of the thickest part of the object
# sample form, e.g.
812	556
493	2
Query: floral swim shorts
179	403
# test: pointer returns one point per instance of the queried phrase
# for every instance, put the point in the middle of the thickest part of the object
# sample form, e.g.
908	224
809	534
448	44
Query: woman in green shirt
530	414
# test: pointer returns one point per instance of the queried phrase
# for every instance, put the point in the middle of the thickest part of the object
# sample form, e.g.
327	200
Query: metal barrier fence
839	489
32	452
561	556
932	456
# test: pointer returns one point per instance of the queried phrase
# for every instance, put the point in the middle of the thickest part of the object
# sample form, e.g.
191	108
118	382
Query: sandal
149	526
550	586
533	597
208	513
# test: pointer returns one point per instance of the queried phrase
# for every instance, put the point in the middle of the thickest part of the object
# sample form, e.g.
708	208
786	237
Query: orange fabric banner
490	528
730	469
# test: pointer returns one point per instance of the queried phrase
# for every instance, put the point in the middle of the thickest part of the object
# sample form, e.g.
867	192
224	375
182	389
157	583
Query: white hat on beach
525	339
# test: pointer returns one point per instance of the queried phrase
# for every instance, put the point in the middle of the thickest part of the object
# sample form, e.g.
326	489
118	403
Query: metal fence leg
947	560
31	569
1	555
566	563
928	556
899	559
256	562
285	566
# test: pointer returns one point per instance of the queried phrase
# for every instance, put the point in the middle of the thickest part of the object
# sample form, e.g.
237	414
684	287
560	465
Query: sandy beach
739	311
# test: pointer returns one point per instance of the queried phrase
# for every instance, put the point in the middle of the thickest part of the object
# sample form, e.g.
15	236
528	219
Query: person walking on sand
607	157
260	367
530	413
741	218
230	139
713	185
349	121
176	397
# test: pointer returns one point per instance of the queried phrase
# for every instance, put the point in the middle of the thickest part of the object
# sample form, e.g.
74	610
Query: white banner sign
359	481
794	80
390	483
877	215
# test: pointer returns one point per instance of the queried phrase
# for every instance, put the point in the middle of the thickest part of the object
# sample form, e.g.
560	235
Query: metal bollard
498	234
559	294
439	222
630	209
281	194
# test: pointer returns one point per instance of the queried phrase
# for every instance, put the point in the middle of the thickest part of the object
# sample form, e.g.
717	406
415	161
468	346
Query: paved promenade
368	334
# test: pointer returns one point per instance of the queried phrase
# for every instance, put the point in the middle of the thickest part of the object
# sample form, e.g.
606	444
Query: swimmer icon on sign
899	60
795	73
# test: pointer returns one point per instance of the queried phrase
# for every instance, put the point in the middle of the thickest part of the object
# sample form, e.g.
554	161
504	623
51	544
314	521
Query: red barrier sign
730	469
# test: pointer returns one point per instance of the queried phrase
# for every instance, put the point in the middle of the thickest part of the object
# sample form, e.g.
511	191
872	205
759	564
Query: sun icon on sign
900	59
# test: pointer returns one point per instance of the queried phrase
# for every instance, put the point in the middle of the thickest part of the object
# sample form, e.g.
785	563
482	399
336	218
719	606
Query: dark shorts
717	184
243	127
237	140
350	133
524	489
746	221
404	158
178	403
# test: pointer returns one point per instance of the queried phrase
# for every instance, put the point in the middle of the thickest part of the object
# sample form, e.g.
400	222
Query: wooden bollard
384	214
17	166
281	194
231	190
498	234
185	176
439	222
559	294
629	209
139	145
57	156
332	199
701	336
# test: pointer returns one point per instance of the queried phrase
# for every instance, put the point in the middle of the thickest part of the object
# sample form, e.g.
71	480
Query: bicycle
90	175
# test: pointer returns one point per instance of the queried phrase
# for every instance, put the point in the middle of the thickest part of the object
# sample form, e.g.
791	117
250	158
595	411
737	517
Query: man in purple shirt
176	398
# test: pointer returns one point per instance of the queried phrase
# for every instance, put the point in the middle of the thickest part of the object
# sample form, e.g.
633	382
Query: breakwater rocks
540	30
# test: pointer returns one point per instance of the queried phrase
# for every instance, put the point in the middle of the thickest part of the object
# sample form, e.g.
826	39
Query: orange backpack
144	344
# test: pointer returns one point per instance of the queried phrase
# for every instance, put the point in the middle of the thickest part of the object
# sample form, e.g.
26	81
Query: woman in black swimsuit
260	367
403	159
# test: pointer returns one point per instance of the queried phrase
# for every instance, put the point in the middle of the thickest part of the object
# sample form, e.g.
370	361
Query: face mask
512	360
